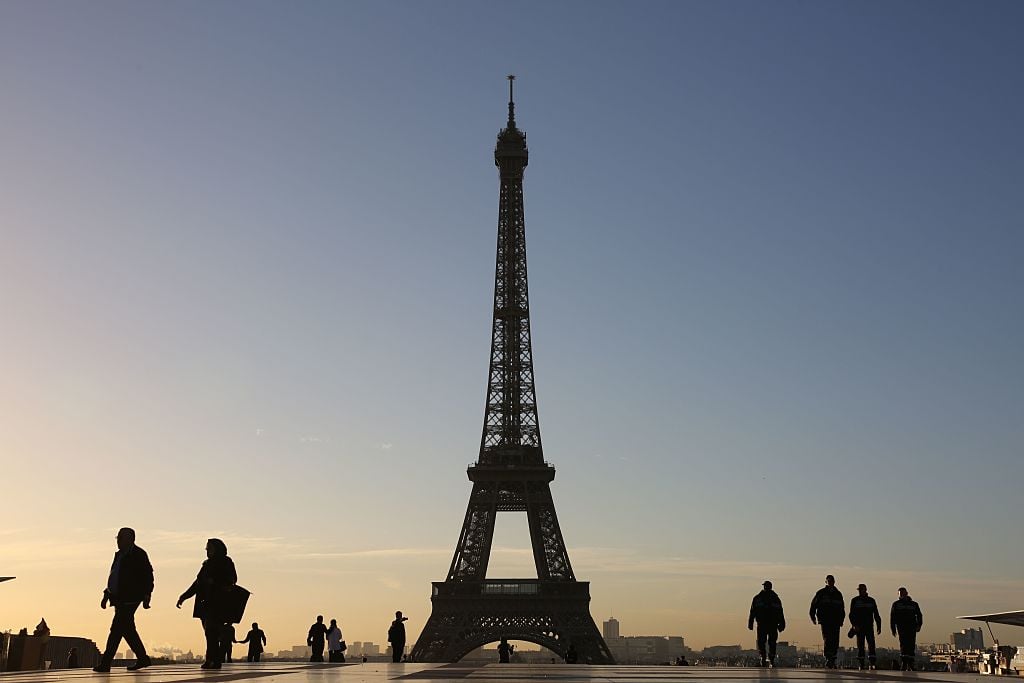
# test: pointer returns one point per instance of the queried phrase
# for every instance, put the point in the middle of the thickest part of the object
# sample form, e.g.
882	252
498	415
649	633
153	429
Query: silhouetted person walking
256	639
865	620
335	643
505	651
396	636
211	590
129	585
829	611
766	610
571	656
73	658
906	620
315	639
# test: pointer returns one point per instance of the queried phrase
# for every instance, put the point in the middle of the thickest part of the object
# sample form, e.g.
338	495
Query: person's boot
102	668
771	662
140	663
764	662
860	664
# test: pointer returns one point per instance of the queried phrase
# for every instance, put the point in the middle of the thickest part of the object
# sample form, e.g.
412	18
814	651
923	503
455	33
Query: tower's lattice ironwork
510	475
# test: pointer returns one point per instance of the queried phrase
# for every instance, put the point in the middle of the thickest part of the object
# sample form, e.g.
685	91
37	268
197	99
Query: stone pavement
290	672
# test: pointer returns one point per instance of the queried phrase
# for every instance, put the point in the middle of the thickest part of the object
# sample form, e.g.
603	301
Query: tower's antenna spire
511	103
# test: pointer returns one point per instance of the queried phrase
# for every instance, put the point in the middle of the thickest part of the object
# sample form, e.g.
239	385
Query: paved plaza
267	672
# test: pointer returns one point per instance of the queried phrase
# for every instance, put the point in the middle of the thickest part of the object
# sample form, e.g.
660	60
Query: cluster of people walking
828	611
218	599
320	635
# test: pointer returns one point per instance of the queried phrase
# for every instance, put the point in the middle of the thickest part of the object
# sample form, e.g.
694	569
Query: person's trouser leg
762	638
211	629
396	651
908	646
830	634
773	639
318	652
860	646
123	626
869	635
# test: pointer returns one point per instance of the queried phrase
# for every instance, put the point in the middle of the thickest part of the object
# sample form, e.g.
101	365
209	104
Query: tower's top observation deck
510	153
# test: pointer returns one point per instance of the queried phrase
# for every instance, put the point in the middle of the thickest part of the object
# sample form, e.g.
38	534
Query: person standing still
906	620
396	636
829	611
865	620
315	639
766	610
211	590
129	585
227	637
505	650
256	639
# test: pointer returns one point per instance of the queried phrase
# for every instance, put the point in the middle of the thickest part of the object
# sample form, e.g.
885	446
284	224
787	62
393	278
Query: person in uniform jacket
905	619
256	639
211	590
829	611
865	620
129	585
766	610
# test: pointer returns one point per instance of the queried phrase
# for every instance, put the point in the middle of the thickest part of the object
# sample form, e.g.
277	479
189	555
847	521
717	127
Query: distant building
57	649
610	628
642	649
967	639
370	649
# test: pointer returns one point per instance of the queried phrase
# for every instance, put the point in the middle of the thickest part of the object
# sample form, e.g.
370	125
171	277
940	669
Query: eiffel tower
510	475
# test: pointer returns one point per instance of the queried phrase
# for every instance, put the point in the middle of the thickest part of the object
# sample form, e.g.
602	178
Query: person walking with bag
865	620
212	591
335	645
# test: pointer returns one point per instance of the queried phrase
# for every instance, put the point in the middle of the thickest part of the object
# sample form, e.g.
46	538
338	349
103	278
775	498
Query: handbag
234	604
342	646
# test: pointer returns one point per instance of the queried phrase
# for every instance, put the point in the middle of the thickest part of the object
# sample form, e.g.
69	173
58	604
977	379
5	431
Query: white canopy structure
1008	618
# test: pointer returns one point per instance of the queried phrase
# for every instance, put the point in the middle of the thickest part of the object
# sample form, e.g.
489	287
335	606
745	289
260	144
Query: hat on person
767	584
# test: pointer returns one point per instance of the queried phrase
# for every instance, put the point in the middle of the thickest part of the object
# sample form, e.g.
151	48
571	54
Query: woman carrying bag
212	591
335	645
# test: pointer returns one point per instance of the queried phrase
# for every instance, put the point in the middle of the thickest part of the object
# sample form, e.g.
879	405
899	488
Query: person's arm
842	614
920	617
782	618
878	618
147	579
263	636
892	619
814	609
192	590
750	619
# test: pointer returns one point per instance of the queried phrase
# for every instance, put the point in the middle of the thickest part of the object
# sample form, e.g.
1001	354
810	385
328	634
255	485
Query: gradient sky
775	251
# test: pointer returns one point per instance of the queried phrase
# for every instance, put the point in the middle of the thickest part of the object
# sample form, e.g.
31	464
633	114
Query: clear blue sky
775	259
